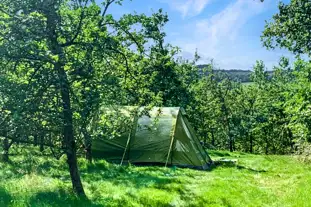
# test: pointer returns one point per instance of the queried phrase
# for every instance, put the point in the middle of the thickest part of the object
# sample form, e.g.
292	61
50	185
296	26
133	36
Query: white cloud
215	37
188	7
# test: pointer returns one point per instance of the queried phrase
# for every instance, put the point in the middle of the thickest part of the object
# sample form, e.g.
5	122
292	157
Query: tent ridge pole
127	143
172	140
128	139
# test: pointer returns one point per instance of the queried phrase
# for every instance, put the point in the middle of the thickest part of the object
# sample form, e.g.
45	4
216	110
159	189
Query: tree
74	44
290	28
213	109
299	102
15	124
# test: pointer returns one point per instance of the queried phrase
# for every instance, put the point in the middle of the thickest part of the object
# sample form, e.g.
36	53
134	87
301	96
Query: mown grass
255	180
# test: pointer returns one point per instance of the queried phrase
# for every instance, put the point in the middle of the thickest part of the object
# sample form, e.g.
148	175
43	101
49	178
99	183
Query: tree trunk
87	146
213	138
231	146
35	140
41	143
230	140
251	143
5	152
88	153
69	141
292	143
53	20
230	143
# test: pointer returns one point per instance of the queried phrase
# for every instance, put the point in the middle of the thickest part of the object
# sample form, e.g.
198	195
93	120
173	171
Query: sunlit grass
255	180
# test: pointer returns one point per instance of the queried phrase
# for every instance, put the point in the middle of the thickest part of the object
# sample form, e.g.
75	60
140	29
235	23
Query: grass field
254	181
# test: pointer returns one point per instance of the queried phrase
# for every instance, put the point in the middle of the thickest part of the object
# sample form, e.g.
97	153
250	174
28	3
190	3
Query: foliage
251	118
290	28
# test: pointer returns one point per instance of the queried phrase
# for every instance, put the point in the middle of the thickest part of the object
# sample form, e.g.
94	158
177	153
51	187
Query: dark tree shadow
219	154
138	179
233	164
250	169
59	198
5	197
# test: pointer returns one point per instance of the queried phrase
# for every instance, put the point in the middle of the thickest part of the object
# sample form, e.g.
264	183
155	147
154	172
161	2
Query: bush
303	150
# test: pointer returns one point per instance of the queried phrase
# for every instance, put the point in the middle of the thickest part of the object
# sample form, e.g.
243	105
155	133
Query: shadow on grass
250	169
138	178
21	166
233	164
5	197
141	181
219	154
59	198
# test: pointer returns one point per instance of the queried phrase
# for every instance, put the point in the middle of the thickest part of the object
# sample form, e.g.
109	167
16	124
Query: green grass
255	180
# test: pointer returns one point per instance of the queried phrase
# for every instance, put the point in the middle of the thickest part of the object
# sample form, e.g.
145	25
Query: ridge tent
163	136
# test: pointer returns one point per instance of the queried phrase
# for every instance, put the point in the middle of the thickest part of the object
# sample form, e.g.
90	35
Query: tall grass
254	181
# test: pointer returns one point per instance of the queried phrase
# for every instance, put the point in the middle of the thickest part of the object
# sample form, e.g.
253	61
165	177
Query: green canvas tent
163	136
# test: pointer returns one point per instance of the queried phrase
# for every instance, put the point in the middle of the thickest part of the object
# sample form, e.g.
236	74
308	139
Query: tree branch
30	58
109	2
78	30
126	61
141	50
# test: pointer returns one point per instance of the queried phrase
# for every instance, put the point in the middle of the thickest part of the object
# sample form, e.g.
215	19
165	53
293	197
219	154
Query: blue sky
227	31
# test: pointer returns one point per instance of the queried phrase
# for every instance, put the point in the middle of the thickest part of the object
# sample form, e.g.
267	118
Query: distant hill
243	76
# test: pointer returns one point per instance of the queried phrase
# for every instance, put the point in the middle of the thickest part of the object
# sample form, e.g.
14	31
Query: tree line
63	61
237	75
